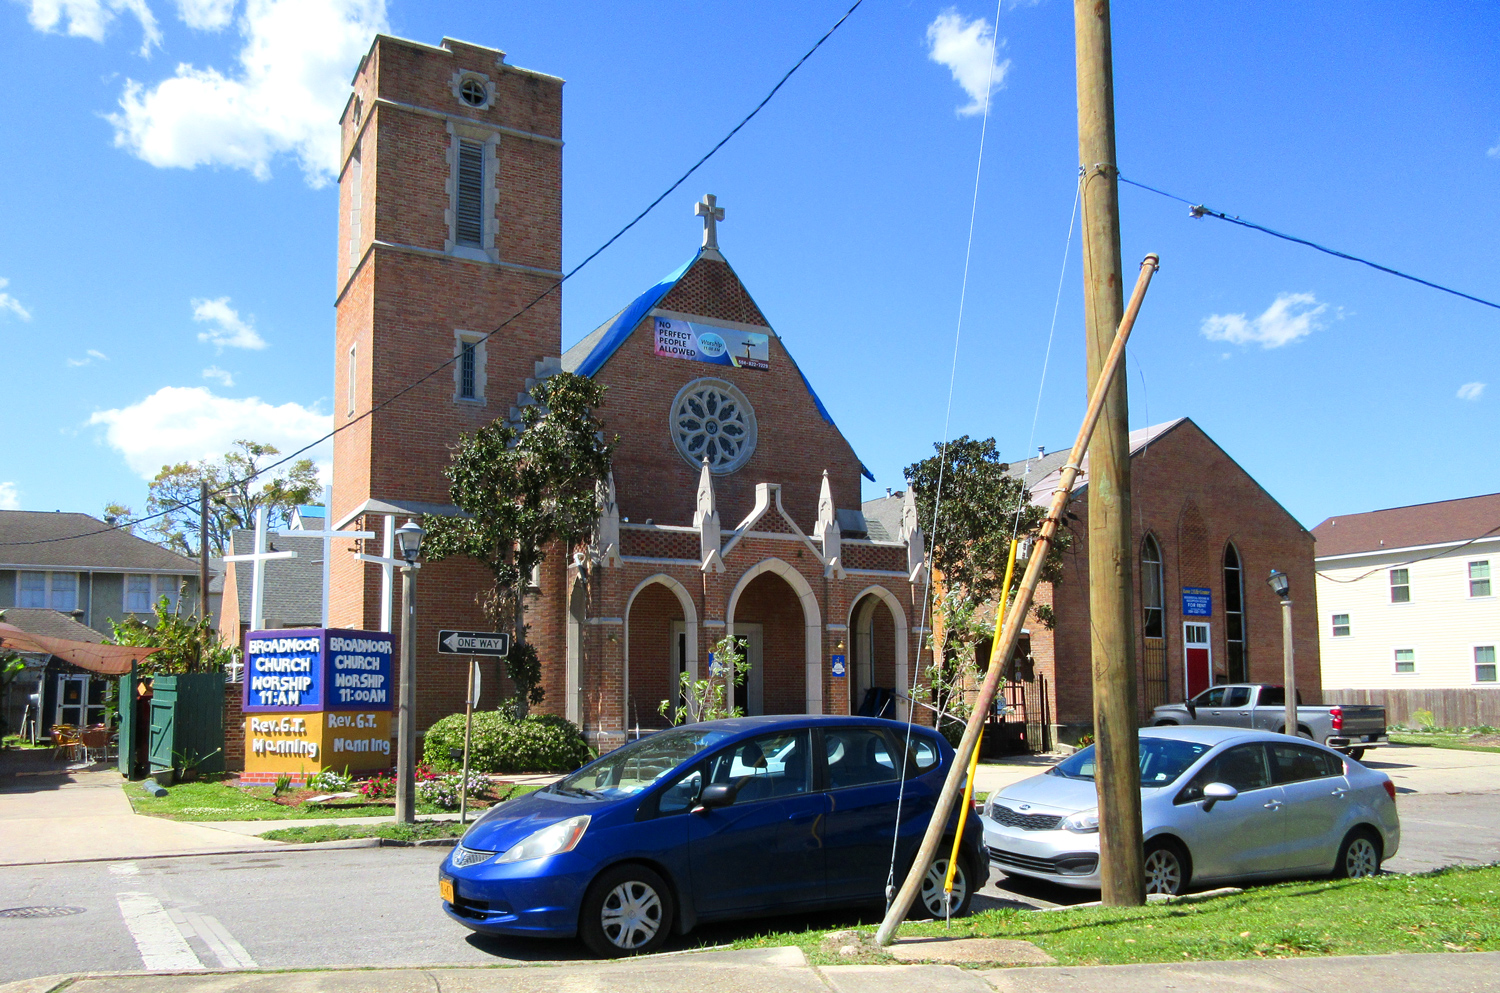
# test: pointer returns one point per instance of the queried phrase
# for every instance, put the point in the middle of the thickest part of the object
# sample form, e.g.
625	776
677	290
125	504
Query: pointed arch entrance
661	641
878	640
764	588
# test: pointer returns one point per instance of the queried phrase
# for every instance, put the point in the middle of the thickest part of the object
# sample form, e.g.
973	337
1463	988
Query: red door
1198	670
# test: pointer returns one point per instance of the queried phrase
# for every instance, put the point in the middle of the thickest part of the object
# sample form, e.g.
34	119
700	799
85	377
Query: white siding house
1408	612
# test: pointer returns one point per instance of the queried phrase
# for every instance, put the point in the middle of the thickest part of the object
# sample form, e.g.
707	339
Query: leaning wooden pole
952	786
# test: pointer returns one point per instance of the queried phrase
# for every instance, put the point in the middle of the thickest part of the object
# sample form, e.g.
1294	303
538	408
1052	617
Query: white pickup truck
1350	728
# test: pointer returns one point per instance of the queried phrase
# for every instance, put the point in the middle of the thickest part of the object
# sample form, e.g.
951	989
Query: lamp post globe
409	540
1279	583
1282	587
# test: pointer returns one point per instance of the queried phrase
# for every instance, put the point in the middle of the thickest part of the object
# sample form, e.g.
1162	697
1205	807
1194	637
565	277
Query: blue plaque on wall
1197	601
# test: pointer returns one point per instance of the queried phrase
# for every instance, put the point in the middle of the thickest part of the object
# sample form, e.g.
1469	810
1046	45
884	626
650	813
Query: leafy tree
11	666
527	486
237	490
983	506
118	514
191	643
704	699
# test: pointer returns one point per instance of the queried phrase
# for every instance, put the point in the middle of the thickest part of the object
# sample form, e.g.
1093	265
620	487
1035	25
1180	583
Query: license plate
445	888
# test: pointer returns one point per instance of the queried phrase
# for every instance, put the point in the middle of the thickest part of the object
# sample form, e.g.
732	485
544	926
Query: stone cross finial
708	208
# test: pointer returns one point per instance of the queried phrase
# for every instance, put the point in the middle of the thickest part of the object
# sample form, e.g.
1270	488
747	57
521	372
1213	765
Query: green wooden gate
187	722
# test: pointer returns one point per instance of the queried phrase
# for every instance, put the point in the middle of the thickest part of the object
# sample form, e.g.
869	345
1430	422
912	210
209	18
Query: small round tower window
474	92
713	420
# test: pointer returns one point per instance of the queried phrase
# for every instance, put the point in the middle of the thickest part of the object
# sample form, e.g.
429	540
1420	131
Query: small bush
1423	720
444	790
502	743
329	781
378	787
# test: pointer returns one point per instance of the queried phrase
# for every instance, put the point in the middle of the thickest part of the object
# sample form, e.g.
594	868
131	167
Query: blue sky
168	250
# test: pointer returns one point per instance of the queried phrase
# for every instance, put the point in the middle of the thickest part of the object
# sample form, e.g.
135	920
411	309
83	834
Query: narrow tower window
469	215
1153	593
350	377
354	208
466	371
1234	615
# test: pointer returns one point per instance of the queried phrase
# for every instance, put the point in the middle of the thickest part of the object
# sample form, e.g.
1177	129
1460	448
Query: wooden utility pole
1111	604
203	550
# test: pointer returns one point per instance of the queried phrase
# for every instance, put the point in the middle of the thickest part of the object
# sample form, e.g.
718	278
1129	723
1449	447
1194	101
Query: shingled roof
34	538
1406	527
294	587
49	623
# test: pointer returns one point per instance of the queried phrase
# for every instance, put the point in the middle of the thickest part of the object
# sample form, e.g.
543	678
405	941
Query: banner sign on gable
714	345
311	669
1197	601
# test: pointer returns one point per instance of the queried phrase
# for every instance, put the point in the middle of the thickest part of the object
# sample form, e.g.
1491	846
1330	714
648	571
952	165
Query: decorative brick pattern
874	557
711	288
659	544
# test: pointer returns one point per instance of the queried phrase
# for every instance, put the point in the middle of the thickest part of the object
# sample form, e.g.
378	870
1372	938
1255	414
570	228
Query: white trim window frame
462	138
351	374
356	197
1400	585
1479	580
1340	625
47	590
169	587
470	362
1404	656
138	594
1484	658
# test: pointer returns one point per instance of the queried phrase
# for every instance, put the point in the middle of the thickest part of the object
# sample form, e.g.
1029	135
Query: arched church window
713	420
1234	615
1153	589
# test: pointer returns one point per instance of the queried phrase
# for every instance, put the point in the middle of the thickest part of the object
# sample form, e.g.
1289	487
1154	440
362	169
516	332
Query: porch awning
108	660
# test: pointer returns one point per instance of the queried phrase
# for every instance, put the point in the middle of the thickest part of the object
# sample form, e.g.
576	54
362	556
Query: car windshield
1162	761
634	767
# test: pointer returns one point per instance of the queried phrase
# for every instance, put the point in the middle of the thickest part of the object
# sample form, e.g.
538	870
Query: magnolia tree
527	487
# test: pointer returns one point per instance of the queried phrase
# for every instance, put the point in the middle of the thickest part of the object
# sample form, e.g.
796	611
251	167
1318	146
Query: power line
1198	210
1397	565
504	324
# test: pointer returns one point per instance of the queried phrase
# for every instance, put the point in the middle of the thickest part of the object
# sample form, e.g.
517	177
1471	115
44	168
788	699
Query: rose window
711	419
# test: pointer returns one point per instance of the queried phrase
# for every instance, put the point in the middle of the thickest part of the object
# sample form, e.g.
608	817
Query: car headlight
551	840
1083	822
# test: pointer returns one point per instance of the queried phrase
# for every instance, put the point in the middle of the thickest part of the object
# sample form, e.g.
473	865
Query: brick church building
734	505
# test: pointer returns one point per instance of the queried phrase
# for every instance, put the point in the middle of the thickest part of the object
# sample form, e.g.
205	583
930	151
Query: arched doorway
774	612
661	643
877	654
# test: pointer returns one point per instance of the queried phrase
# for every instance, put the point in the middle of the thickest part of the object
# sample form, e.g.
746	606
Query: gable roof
1404	527
294	587
78	541
1043	473
49	623
590	353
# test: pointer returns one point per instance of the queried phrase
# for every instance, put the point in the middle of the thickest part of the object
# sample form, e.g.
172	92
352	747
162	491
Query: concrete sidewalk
786	970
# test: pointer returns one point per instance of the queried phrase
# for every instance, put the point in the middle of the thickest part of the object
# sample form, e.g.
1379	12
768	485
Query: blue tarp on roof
639	308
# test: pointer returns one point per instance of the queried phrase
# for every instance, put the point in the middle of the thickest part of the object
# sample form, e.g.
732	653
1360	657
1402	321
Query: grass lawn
395	832
1454	910
223	801
1446	739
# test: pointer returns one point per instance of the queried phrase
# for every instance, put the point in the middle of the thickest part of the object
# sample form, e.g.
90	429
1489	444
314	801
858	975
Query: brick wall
653	669
234	727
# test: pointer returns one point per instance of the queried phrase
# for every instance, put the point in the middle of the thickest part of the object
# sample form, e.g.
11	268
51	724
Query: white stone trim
460	130
902	639
812	619
478	125
725	388
457	81
481	366
689	623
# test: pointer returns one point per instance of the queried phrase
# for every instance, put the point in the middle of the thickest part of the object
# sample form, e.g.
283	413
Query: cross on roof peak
708	208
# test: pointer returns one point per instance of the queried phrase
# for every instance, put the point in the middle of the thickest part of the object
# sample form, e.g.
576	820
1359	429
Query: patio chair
66	740
95	743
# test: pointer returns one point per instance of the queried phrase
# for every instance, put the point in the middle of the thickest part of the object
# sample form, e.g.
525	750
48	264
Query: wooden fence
1453	708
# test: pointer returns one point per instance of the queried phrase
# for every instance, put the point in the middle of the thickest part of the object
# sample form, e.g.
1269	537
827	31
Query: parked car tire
929	902
628	910
1168	868
1356	753
1165	724
1302	732
1359	855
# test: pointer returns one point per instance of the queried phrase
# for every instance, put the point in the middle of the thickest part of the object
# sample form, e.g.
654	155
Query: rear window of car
1294	763
1162	760
858	757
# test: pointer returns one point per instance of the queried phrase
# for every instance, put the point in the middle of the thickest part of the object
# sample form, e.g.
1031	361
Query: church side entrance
654	632
769	614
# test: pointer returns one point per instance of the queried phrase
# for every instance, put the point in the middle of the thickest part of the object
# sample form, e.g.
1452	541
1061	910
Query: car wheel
1359	856
1167	869
930	899
1166	724
1356	753
1303	733
628	911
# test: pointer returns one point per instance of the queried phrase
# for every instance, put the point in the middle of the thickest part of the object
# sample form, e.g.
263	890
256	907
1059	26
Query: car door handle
1272	805
1244	713
1340	792
804	817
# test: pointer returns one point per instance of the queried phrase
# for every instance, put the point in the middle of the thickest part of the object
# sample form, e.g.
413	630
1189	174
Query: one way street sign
473	643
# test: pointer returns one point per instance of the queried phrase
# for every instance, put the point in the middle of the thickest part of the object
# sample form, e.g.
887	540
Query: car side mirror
715	795
1217	792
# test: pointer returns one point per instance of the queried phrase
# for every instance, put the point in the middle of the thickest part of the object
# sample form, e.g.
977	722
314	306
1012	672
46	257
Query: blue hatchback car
726	819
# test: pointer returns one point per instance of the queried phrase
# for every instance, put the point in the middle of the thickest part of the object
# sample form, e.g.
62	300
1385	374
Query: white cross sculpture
258	582
327	535
708	208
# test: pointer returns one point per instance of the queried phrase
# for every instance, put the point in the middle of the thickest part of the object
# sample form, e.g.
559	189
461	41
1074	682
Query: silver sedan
1217	804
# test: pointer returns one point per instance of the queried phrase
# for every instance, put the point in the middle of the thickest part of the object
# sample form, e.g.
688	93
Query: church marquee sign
676	339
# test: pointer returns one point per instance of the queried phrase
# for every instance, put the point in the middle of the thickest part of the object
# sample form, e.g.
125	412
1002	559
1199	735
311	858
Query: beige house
1408	614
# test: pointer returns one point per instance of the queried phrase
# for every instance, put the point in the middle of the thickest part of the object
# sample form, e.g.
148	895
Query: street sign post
492	643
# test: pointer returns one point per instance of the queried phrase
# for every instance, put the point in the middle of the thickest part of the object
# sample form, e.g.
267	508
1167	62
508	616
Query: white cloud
1494	153
90	18
206	15
1471	391
968	49
229	330
222	376
10	303
187	423
285	96
89	358
1290	317
10	499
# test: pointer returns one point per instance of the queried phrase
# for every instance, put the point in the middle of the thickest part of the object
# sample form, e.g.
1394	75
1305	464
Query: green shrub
502	743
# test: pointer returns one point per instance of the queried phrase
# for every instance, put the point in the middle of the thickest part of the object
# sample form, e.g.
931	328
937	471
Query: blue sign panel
838	666
313	669
1197	601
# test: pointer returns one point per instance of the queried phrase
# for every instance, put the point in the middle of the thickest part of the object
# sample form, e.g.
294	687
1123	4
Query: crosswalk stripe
161	944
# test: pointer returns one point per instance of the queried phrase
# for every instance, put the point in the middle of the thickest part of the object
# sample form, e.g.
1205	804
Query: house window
138	594
33	591
1153	590
353	369
468	228
1234	616
167	586
1341	625
468	366
1479	578
1400	586
1484	664
1406	660
466	371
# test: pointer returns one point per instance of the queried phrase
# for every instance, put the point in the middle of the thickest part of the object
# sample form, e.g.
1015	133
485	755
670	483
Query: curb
276	847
